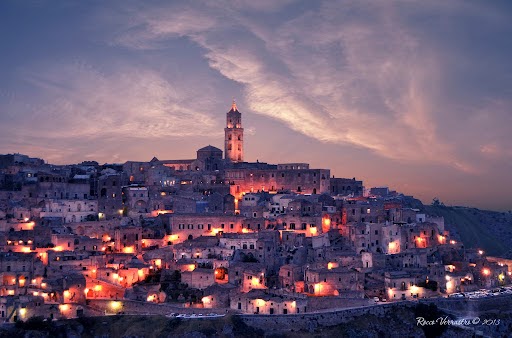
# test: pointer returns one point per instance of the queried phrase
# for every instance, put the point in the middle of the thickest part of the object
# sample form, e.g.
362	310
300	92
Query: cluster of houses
218	233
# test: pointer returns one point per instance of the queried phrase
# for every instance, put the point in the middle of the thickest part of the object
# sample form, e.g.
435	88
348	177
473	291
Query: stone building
211	157
259	302
128	239
400	285
328	282
198	278
234	135
189	226
110	194
346	187
136	200
70	211
289	274
59	186
301	181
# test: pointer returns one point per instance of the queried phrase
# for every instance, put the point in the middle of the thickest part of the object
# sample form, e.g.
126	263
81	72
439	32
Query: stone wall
310	321
136	307
319	303
471	307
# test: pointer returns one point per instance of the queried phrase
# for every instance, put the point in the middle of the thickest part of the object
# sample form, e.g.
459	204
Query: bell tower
234	135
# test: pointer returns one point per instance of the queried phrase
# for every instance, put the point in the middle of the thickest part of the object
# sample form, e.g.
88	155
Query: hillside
483	229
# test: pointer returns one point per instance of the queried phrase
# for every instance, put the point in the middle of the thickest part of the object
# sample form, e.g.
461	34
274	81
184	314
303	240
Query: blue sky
411	94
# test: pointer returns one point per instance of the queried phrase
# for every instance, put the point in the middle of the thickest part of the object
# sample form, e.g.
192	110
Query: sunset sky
415	95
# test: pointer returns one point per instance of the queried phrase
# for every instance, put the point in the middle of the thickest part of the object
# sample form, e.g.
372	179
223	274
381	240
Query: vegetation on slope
132	326
489	230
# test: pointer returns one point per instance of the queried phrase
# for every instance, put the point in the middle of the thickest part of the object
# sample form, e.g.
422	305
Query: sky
414	95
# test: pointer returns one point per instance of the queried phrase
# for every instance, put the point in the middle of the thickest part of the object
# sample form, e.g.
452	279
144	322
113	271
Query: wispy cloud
77	100
347	73
377	76
75	109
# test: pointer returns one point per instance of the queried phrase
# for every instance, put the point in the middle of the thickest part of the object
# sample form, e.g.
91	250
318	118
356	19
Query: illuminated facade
234	136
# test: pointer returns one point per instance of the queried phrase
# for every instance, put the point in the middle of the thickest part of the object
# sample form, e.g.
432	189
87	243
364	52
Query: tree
436	202
175	277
